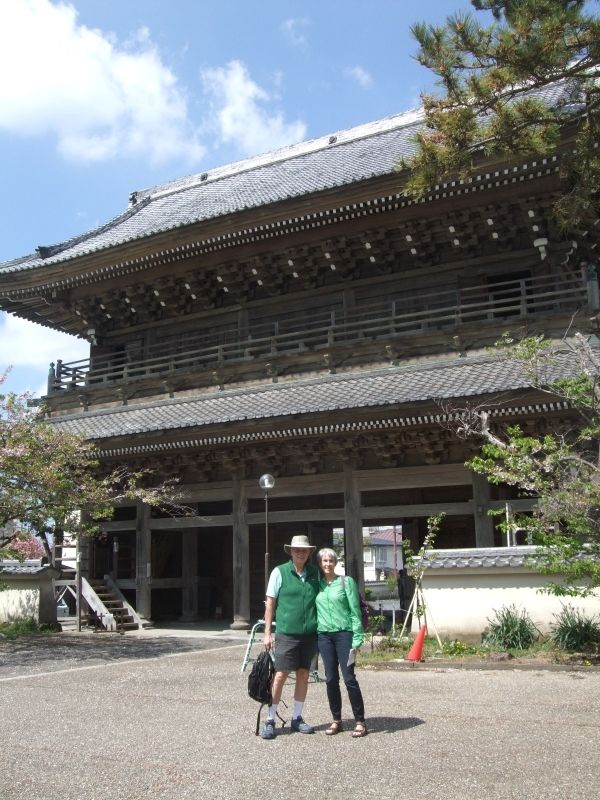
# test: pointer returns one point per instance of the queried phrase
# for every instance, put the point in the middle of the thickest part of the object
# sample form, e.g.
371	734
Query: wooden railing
413	315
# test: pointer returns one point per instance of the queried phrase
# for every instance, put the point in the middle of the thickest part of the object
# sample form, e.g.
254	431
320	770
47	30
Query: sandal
335	727
360	730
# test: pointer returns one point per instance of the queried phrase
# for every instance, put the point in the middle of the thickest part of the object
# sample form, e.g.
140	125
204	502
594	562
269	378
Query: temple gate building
296	314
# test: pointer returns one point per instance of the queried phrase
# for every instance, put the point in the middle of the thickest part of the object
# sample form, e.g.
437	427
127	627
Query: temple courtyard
164	714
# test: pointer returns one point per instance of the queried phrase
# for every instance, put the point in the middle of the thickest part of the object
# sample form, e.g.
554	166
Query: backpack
365	608
260	682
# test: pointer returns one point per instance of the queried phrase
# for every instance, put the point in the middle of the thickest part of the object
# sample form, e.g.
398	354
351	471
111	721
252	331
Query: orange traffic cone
416	651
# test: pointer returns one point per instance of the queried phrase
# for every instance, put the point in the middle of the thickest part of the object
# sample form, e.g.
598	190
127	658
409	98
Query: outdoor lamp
266	482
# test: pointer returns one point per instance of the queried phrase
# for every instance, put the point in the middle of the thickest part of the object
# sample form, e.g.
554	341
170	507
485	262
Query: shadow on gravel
64	651
380	724
393	724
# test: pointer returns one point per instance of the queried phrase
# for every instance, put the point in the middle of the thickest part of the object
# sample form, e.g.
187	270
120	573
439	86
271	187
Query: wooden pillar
114	570
143	561
484	525
410	532
241	557
592	287
189	574
353	528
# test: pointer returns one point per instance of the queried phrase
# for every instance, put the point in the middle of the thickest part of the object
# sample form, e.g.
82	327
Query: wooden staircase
107	609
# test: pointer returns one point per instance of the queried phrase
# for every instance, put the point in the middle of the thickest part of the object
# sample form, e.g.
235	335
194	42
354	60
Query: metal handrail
435	309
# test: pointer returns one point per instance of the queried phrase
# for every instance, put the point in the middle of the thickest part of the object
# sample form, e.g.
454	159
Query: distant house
381	557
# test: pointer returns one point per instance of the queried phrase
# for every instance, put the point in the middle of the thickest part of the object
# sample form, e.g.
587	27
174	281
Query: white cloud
294	29
29	349
360	75
25	344
98	97
239	116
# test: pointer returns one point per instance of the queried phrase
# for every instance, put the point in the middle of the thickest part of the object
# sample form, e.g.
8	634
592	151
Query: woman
340	634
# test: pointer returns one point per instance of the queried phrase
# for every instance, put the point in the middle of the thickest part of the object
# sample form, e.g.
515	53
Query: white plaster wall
21	603
460	601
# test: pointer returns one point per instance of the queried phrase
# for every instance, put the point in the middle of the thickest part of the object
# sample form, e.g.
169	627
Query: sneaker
299	725
268	730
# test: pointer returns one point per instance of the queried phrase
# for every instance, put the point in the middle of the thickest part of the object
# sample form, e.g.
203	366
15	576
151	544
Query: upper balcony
427	321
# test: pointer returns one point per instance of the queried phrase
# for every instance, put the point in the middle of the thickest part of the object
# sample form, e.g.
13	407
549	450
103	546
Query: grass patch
22	627
389	648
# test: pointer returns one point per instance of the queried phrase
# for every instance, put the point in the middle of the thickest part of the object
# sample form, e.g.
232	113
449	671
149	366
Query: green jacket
295	613
338	608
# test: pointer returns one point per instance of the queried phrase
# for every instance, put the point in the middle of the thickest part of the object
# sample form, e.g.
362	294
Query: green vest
296	612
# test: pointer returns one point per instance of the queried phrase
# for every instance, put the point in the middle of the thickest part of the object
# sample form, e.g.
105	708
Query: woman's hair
326	551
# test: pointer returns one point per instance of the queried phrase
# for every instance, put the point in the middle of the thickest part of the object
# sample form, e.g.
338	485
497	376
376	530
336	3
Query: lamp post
266	482
78	584
115	569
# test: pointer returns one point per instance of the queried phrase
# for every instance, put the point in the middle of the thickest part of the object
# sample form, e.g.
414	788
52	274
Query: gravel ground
107	717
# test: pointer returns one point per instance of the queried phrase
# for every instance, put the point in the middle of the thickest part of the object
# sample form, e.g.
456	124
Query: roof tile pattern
25	570
480	557
405	384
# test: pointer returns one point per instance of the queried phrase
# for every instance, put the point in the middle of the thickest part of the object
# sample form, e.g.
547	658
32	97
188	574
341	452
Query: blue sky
99	98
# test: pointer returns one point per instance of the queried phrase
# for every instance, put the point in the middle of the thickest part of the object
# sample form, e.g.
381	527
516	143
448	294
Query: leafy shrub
573	630
21	627
392	644
458	648
511	629
376	623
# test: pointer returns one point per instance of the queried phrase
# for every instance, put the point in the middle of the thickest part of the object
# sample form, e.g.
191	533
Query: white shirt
274	585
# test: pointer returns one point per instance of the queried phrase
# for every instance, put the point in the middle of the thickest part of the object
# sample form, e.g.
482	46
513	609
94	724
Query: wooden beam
413	477
299	515
177	523
121	525
338	514
421	510
370	480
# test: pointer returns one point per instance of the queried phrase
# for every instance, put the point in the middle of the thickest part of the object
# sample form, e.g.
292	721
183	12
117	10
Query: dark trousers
335	649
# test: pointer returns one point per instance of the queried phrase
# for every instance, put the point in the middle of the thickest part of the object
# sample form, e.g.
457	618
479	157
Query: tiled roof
357	154
480	557
386	537
350	156
405	384
24	570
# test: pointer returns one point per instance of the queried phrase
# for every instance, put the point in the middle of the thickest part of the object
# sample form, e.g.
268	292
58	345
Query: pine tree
496	104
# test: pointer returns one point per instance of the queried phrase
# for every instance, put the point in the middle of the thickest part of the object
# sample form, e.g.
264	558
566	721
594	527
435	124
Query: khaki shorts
295	652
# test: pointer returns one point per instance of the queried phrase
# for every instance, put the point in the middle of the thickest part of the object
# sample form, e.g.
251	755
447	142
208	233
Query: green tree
494	106
560	467
50	481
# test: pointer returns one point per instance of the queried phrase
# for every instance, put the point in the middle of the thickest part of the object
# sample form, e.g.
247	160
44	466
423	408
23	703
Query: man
292	592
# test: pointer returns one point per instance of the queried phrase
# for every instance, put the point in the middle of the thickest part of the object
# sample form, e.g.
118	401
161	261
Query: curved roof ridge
345	136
